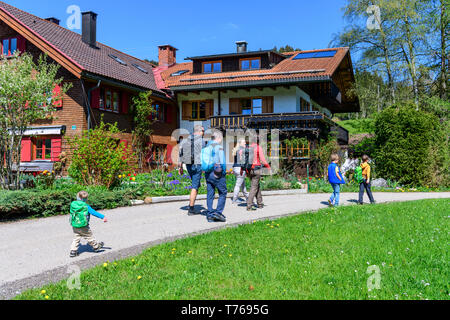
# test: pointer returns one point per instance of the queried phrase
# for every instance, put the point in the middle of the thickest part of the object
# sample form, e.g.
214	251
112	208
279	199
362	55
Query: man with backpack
214	166
254	162
190	154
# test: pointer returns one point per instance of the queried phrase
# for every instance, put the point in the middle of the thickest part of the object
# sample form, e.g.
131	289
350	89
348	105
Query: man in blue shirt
214	165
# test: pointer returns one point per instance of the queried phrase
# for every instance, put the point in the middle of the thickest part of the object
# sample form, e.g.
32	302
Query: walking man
258	161
214	165
190	154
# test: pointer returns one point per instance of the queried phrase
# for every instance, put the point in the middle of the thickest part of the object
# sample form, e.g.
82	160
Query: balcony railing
300	121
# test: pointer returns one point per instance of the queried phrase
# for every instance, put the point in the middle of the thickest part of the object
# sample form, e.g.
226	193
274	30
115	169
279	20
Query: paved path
36	252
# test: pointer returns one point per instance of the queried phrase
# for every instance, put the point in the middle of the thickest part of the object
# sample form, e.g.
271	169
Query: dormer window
212	67
250	64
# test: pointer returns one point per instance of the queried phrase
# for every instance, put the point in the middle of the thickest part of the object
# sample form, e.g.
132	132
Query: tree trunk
443	25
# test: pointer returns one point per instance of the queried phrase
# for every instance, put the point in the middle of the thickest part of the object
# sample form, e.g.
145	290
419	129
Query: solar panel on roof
313	55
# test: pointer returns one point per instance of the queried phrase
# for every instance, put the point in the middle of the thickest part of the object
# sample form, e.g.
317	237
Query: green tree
26	96
411	146
143	126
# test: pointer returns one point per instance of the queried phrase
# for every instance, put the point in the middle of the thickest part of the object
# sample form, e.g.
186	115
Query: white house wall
286	100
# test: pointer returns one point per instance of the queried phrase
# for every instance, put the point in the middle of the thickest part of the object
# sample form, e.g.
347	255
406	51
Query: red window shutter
169	113
56	93
21	44
169	154
26	149
125	103
56	148
95	99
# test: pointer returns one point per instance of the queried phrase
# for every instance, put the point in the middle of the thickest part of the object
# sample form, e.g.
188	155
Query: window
108	100
212	67
250	64
179	73
117	59
158	154
304	105
252	106
116	102
9	46
198	110
159	112
139	68
43	149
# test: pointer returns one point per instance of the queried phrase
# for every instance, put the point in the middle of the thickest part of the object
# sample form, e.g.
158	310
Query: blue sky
201	27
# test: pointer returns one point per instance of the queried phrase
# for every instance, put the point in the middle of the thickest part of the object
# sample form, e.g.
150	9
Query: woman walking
239	171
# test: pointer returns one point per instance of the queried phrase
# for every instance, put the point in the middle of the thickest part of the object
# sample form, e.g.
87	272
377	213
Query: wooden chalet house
296	92
104	80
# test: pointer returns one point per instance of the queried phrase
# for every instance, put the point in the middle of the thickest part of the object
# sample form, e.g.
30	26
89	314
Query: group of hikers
200	157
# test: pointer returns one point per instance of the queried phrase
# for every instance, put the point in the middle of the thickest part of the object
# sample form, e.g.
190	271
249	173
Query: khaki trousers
255	191
81	233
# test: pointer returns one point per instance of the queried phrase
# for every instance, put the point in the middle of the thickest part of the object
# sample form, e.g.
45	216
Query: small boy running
80	213
366	184
336	179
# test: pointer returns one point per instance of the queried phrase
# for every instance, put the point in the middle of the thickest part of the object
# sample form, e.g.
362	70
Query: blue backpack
208	158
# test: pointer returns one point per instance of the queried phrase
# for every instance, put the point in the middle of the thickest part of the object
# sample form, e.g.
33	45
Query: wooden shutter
169	113
57	94
95	99
21	44
268	105
124	103
187	110
235	106
209	109
169	154
26	149
56	148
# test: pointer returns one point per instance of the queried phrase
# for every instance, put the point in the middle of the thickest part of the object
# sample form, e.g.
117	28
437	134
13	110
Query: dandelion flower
105	265
47	297
43	292
139	278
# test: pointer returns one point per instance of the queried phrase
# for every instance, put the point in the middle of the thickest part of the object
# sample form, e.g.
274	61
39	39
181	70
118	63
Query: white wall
286	100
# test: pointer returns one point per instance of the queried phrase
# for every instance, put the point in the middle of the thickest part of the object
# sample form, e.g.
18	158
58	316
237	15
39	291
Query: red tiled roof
92	60
289	68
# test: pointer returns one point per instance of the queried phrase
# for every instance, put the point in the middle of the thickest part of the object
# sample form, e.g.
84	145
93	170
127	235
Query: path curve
36	252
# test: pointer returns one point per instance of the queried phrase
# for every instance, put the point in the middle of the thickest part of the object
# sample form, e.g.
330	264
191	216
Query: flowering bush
45	179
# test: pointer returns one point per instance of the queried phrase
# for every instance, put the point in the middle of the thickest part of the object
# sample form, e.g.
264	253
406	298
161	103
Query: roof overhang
41	43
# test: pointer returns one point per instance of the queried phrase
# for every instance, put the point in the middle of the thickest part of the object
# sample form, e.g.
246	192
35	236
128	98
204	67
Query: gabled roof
67	48
288	70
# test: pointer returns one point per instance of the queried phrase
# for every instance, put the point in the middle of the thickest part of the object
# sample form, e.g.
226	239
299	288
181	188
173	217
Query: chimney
54	20
89	28
167	55
241	46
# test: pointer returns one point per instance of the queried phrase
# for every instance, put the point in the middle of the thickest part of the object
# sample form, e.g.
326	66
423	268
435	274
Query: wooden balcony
301	121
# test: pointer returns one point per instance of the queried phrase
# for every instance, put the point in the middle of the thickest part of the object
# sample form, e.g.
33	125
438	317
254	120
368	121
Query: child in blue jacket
336	179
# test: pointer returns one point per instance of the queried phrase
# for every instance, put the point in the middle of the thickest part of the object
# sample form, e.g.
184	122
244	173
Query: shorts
195	172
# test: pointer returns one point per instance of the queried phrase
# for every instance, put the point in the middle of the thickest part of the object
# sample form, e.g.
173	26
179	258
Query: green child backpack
79	214
358	174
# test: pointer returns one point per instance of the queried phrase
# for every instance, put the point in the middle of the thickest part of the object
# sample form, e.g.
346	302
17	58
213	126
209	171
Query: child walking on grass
336	179
80	213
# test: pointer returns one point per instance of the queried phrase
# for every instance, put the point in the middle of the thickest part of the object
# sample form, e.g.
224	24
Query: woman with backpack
239	170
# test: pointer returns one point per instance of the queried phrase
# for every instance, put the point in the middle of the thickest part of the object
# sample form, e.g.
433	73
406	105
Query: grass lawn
322	255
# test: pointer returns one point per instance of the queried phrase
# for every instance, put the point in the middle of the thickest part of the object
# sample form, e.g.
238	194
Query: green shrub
98	158
411	146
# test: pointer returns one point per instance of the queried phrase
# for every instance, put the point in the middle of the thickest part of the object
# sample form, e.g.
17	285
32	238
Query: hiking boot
217	217
99	246
330	203
251	209
193	212
261	206
73	254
